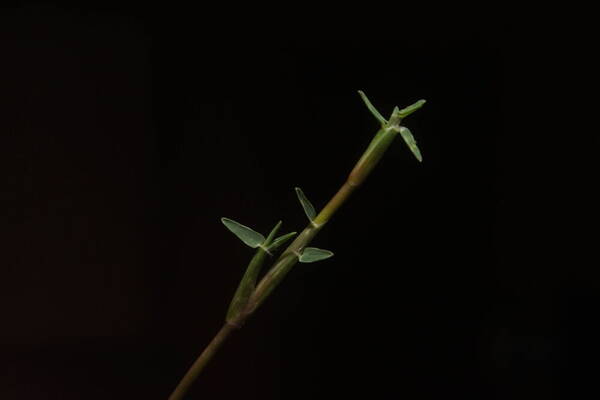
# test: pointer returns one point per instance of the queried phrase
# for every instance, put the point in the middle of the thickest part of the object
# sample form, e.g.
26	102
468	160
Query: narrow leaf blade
247	235
405	112
312	254
309	209
267	242
372	108
411	142
281	240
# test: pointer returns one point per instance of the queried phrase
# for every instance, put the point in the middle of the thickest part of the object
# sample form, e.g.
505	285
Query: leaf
405	112
247	235
372	108
280	241
312	254
411	142
267	242
309	209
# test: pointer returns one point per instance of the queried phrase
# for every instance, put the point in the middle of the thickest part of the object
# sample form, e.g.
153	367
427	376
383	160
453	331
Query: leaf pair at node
398	114
247	285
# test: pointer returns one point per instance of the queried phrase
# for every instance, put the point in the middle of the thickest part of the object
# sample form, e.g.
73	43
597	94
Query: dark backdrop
126	135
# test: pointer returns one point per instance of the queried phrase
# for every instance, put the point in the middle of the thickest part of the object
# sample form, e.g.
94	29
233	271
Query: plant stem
336	202
290	256
271	280
201	362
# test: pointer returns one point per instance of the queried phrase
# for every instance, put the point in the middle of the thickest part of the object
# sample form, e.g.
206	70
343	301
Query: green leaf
271	236
312	254
372	108
411	142
247	235
280	241
405	112
306	204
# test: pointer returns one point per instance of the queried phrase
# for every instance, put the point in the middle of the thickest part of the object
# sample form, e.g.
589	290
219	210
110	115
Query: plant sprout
251	293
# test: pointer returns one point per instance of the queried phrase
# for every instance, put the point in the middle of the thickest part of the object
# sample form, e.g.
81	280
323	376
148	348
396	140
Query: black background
126	135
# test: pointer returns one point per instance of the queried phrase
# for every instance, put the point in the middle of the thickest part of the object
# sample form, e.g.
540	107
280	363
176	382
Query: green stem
289	257
336	202
201	362
271	280
282	266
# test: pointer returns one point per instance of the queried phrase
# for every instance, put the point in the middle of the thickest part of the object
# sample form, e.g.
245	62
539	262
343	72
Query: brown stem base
201	362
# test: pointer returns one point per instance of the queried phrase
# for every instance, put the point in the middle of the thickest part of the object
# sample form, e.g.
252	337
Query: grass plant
252	292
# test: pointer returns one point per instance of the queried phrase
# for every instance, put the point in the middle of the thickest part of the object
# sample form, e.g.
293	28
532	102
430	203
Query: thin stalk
201	362
336	202
360	172
290	256
280	268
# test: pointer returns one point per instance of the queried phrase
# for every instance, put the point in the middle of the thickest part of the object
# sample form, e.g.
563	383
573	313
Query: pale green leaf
271	235
309	209
246	235
312	254
411	142
372	108
405	112
280	241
